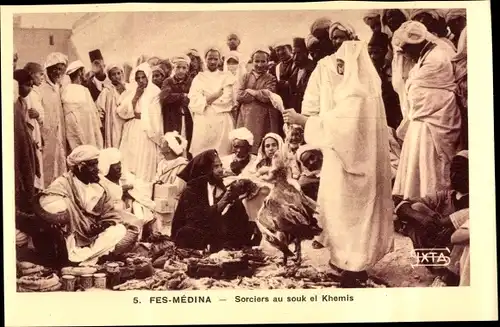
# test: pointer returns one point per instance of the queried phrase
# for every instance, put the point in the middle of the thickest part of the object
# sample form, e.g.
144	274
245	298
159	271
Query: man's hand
211	98
120	87
290	116
139	92
127	187
251	92
32	113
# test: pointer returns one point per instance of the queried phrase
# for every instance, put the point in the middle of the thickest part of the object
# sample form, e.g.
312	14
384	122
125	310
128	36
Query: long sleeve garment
34	101
197	222
257	112
108	102
433	126
25	161
53	132
354	194
175	107
141	137
81	117
213	122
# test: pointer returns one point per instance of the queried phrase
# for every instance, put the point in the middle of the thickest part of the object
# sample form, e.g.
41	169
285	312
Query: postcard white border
477	302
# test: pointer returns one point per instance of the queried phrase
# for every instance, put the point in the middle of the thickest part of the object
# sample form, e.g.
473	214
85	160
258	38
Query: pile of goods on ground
159	265
35	278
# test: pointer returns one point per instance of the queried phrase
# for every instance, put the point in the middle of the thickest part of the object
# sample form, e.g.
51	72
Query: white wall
125	36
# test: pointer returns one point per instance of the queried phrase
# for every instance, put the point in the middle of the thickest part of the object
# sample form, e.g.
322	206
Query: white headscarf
261	155
241	134
108	157
151	121
176	142
81	154
241	70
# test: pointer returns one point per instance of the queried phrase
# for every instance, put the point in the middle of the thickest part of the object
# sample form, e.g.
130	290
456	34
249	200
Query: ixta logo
431	257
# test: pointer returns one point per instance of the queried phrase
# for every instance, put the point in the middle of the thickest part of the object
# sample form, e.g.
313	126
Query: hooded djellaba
208	214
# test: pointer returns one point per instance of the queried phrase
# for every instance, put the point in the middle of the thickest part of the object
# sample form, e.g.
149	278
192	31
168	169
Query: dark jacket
26	165
197	224
392	106
174	105
298	88
94	91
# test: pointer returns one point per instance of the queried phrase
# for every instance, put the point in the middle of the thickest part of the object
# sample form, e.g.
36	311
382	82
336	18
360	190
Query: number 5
136	300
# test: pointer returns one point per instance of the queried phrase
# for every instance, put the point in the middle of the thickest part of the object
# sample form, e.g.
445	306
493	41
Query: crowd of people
373	130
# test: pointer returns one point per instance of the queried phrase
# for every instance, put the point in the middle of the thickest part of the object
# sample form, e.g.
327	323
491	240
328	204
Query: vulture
287	214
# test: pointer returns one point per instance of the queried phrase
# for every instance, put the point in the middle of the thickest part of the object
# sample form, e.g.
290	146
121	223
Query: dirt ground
395	268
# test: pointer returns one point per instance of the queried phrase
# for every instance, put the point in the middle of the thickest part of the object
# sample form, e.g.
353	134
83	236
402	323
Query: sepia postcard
248	163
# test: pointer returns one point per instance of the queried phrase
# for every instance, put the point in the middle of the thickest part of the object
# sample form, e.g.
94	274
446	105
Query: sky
125	36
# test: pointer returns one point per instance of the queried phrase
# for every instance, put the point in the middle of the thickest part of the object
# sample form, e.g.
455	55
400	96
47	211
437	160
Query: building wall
123	37
34	44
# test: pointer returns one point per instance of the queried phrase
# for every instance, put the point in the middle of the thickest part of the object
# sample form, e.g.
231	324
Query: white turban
74	66
455	13
55	58
241	134
113	65
81	154
463	153
305	148
310	41
342	26
435	13
176	142
108	157
374	13
411	32
212	49
177	59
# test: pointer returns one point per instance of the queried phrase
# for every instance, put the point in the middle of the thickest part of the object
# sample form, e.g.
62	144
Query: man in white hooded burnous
355	184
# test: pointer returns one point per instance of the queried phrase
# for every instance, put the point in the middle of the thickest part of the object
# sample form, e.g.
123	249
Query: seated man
84	211
460	238
208	214
311	160
242	142
294	140
430	221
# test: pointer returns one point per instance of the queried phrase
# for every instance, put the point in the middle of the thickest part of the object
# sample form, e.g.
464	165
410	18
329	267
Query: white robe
81	117
211	123
432	127
107	102
34	101
354	198
106	241
141	138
